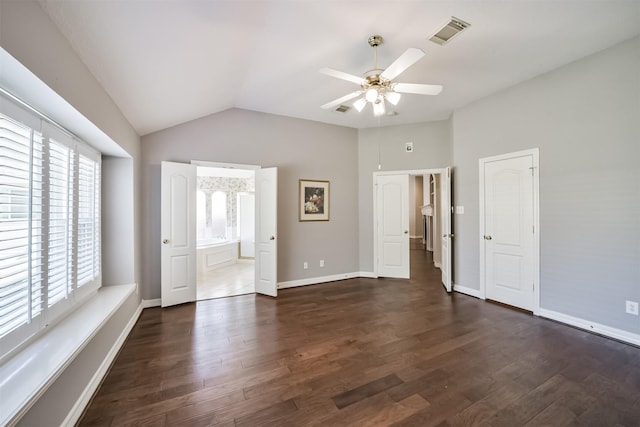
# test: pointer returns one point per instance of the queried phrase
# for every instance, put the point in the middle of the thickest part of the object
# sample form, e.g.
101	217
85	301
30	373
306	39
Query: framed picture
314	200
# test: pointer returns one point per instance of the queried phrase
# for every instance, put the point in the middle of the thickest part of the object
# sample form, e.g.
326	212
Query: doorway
509	240
411	207
178	227
225	232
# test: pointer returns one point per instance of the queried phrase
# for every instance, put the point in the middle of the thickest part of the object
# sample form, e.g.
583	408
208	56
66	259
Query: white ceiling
168	62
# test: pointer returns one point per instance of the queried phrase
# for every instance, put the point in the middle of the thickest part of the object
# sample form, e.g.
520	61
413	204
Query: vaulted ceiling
168	62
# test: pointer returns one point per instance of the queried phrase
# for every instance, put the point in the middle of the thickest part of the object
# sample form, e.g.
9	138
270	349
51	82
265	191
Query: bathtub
212	257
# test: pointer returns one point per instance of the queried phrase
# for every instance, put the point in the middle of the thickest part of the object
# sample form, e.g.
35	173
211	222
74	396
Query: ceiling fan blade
339	101
419	89
406	60
343	76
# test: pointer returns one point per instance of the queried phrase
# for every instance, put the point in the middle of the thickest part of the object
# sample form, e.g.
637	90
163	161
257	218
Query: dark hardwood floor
365	352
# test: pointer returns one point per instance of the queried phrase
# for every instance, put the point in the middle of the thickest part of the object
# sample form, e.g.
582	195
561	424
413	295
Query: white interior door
266	231
247	220
447	235
392	199
178	233
508	231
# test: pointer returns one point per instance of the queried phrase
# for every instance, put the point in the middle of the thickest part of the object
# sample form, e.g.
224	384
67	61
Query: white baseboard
149	303
468	291
587	325
316	280
437	265
76	412
416	237
368	274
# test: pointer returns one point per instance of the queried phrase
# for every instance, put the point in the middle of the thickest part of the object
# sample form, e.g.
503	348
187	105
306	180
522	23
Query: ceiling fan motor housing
374	81
375	40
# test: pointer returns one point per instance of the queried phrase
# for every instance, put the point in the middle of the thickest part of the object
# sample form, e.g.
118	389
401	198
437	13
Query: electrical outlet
632	307
305	265
321	263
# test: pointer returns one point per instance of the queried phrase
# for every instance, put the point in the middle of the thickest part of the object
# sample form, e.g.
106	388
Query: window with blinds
49	224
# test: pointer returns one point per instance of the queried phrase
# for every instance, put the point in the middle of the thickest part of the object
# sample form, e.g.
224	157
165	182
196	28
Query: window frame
16	339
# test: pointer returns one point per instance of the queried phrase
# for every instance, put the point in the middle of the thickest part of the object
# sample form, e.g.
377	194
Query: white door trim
534	153
375	204
222	165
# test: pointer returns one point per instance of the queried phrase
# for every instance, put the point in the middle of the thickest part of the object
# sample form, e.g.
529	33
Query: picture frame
314	200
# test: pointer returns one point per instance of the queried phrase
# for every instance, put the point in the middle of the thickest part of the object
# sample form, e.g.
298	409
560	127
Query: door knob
165	241
272	238
447	235
406	231
488	237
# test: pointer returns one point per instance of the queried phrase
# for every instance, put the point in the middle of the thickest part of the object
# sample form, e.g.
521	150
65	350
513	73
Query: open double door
178	232
391	221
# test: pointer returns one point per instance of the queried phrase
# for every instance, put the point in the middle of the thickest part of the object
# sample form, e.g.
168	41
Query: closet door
392	198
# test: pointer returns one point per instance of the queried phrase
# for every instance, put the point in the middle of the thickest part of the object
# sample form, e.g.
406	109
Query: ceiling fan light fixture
378	108
371	94
393	97
360	104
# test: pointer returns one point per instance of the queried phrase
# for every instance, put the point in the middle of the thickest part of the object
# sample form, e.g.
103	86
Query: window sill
28	374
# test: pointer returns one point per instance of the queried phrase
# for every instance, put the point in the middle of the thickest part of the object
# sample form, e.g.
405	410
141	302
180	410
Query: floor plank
366	390
365	352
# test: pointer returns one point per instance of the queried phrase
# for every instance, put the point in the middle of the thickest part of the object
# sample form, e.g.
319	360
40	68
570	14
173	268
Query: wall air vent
449	31
342	108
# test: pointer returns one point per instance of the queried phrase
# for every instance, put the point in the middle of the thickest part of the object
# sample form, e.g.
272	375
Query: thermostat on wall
408	147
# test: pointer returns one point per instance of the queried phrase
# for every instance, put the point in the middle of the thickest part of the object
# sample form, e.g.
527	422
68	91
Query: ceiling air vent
449	31
342	108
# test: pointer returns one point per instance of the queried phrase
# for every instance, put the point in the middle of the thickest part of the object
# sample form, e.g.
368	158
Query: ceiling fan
377	84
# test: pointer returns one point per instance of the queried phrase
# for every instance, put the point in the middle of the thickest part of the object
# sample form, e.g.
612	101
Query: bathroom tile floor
236	279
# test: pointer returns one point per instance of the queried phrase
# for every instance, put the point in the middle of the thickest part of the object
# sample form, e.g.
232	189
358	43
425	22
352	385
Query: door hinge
532	169
533	229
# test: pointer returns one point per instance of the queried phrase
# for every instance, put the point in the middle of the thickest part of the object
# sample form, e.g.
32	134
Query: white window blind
20	160
49	224
58	233
88	215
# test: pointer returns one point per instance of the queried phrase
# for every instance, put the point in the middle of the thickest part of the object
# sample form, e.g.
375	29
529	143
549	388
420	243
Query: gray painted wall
584	117
431	150
118	243
300	149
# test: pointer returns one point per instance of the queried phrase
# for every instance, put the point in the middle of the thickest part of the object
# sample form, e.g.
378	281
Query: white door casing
392	199
446	229
509	232
178	233
266	274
